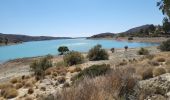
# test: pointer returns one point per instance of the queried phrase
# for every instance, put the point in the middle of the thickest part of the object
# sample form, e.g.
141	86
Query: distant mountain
14	38
102	35
137	29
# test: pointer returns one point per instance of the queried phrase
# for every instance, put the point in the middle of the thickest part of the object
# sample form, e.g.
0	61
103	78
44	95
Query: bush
63	49
113	50
143	51
160	59
73	58
97	53
93	71
159	71
165	46
147	73
40	66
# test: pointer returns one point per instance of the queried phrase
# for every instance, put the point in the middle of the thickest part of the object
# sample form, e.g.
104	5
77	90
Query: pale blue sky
75	18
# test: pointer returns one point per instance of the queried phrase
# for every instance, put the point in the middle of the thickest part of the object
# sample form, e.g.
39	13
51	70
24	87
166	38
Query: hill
15	38
102	35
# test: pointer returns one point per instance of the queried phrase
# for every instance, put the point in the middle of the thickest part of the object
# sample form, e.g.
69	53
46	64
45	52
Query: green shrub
159	71
165	46
93	71
73	58
63	49
97	53
113	50
39	67
143	51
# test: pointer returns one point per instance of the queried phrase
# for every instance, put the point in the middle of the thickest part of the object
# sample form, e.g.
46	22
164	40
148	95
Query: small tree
97	53
73	58
166	25
126	47
63	49
113	50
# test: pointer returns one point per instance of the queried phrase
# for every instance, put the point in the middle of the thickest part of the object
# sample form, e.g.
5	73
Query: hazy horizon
75	18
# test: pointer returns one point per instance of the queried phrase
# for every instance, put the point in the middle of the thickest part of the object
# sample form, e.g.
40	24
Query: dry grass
114	85
159	71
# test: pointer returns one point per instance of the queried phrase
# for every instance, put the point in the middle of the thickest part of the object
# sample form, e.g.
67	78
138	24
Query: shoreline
19	67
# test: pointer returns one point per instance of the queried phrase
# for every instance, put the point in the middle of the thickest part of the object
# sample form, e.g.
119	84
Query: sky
75	18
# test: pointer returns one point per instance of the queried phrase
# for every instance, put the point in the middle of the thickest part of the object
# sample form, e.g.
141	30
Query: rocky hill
102	35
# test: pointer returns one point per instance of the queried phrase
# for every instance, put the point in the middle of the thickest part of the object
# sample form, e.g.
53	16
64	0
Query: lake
40	48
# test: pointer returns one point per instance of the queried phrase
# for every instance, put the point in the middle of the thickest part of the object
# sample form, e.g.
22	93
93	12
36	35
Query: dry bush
153	63
18	85
145	72
9	93
160	59
115	85
30	91
14	80
143	51
60	64
159	71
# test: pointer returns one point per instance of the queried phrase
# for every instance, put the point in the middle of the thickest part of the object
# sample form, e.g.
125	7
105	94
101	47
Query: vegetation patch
73	58
97	53
93	71
39	67
143	51
159	71
165	46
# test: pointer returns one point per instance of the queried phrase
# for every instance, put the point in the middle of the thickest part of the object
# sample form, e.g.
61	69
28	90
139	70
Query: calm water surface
39	48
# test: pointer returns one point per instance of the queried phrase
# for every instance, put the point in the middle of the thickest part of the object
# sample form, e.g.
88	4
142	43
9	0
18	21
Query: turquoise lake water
39	48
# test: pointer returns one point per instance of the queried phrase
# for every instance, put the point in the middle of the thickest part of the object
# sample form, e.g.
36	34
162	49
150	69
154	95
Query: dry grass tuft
18	85
159	71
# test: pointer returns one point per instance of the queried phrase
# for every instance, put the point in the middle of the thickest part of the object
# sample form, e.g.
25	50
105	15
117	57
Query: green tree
166	25
63	49
164	6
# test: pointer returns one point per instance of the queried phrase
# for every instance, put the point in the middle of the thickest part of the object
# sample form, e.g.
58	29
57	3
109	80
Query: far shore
137	39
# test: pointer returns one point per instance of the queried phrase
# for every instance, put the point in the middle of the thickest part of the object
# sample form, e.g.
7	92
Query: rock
46	82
